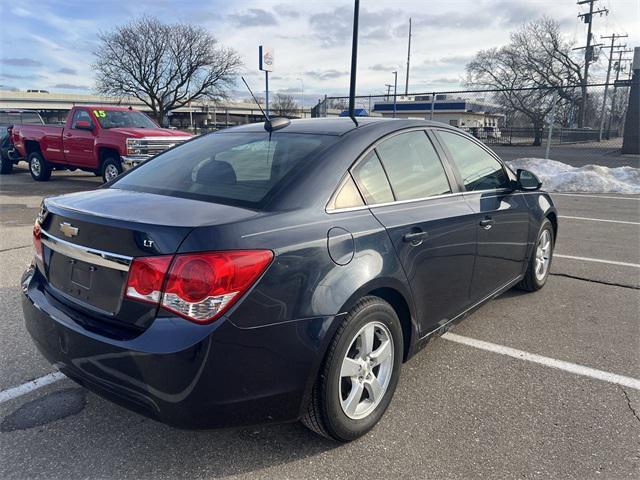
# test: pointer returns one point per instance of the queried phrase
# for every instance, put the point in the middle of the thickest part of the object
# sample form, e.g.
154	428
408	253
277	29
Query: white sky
49	43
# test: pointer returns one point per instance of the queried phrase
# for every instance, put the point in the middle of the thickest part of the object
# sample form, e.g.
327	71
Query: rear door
430	224
501	214
78	144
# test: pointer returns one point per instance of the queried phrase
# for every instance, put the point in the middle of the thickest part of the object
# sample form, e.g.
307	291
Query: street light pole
395	92
301	97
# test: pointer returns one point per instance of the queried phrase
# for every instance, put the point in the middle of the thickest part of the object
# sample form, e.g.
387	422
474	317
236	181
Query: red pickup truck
99	139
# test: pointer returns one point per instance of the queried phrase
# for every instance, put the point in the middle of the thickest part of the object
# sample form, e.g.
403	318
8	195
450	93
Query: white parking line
597	260
25	388
594	196
599	220
546	361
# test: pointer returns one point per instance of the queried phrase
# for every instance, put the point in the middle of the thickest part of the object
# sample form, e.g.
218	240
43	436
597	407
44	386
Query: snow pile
560	177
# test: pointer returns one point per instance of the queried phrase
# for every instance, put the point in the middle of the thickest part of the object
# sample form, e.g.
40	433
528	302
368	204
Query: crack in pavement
591	280
13	248
633	410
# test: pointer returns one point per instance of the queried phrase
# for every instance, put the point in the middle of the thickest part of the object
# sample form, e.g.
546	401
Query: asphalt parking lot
562	401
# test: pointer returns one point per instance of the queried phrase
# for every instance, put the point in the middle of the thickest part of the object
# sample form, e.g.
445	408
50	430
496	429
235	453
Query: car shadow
143	448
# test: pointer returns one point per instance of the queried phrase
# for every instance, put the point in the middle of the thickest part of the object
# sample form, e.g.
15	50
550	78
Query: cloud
67	71
20	12
335	27
21	62
286	11
9	88
325	74
254	17
13	76
70	86
381	67
447	60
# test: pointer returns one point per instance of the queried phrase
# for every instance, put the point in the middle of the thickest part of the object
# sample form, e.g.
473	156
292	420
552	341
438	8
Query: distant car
263	274
9	118
100	139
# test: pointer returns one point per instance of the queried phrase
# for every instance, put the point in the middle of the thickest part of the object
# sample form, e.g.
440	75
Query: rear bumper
183	374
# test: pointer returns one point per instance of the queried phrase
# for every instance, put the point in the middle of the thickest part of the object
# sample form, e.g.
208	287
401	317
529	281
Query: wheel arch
553	218
105	152
32	146
400	300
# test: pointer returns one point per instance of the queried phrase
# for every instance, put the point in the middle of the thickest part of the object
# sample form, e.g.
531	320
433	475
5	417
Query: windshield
243	169
123	119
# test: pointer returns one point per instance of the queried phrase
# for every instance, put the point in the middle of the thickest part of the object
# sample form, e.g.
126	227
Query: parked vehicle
8	118
266	276
98	139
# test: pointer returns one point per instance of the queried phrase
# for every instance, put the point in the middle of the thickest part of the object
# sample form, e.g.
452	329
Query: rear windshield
243	169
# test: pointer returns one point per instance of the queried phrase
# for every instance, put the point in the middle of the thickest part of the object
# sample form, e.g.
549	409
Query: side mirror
528	180
83	125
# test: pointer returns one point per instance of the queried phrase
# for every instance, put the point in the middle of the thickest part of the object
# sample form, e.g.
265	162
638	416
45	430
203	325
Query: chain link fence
547	118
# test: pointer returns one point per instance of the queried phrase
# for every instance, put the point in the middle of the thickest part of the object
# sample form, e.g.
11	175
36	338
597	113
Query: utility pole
406	84
395	92
388	85
606	86
588	54
618	67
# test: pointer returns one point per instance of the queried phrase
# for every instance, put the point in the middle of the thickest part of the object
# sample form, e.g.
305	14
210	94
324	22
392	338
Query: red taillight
37	240
146	277
199	286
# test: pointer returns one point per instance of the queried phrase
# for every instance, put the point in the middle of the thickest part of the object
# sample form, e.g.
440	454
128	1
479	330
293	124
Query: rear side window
413	166
372	181
242	169
478	169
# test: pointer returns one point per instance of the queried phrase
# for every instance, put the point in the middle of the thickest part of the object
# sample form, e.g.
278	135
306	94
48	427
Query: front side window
372	181
234	168
479	170
413	166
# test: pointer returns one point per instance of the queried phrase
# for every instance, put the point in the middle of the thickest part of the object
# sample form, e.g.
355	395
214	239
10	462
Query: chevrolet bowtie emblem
68	230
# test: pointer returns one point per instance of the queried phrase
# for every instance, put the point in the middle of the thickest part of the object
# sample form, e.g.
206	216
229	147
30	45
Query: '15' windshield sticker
99	113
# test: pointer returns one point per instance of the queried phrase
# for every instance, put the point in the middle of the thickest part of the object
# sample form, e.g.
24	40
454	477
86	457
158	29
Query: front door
430	224
501	214
79	144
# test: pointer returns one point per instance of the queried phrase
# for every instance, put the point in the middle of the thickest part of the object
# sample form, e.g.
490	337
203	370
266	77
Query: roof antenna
256	100
354	62
269	125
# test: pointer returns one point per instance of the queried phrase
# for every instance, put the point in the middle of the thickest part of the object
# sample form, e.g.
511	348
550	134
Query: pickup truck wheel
6	164
39	167
111	168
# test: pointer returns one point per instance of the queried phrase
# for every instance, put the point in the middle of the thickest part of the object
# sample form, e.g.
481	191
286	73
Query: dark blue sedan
271	273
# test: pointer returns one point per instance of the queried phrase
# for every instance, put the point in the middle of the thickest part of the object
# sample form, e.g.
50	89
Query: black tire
325	415
6	164
39	168
531	282
108	166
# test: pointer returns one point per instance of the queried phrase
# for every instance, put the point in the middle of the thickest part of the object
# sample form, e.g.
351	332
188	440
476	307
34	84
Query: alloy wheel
366	370
110	172
36	167
543	255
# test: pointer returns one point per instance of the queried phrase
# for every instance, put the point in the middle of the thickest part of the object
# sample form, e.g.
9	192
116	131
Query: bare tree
164	66
284	105
537	57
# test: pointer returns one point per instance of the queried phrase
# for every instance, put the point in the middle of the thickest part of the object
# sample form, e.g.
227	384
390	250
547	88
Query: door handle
486	223
414	238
